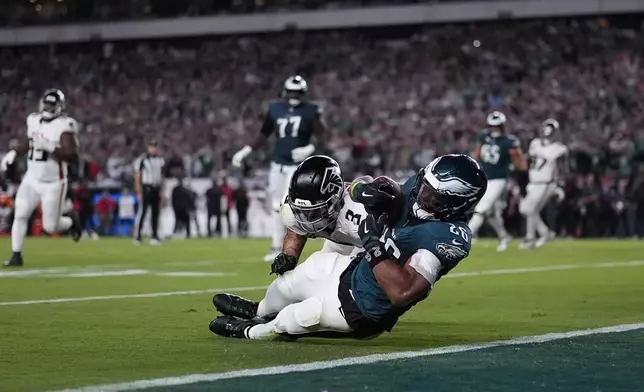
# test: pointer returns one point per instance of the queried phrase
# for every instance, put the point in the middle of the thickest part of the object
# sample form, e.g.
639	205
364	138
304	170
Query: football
390	186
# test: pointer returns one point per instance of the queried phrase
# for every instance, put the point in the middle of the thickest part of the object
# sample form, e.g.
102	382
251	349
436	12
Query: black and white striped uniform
151	169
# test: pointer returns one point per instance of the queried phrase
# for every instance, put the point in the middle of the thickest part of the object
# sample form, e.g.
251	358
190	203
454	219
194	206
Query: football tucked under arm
410	283
379	196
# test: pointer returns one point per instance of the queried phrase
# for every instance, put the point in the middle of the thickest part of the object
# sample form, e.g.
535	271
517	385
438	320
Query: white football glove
7	160
41	143
240	155
560	194
301	153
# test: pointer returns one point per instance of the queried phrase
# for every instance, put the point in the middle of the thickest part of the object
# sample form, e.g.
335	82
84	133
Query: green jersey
494	156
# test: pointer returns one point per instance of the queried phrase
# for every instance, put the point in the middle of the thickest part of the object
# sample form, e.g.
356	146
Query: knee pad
308	312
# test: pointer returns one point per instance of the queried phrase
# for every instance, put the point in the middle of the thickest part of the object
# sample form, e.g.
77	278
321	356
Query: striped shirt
151	169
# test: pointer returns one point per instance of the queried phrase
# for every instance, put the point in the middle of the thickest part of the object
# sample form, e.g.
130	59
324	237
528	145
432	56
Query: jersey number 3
36	155
284	122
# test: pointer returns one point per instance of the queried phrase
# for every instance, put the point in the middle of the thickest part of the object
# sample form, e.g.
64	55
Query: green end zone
605	362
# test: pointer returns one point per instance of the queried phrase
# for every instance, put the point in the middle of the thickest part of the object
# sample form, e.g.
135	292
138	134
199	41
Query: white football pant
306	299
485	208
51	196
279	178
531	205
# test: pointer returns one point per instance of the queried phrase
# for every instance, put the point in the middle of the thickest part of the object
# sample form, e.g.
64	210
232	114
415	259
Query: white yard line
617	264
124	296
352	361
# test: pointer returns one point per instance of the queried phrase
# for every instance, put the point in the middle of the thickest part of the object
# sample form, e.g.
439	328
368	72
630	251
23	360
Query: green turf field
109	312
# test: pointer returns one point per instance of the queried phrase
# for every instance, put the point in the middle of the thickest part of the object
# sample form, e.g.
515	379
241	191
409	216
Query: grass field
108	312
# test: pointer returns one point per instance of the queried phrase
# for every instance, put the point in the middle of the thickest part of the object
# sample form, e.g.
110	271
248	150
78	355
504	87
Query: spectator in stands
84	205
241	205
106	209
127	212
214	201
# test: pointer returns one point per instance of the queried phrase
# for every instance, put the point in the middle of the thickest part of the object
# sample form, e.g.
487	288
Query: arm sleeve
426	264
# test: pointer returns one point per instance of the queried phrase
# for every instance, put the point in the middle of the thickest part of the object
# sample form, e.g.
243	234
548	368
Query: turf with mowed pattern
108	311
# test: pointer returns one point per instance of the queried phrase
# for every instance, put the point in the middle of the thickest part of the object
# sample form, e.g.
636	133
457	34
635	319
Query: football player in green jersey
496	151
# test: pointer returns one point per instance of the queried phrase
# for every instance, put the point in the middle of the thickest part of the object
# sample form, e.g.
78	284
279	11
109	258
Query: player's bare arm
521	165
476	153
320	132
293	244
402	285
518	159
292	247
68	150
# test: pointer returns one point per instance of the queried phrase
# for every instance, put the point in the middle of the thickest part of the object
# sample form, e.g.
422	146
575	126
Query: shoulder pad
33	118
289	220
513	141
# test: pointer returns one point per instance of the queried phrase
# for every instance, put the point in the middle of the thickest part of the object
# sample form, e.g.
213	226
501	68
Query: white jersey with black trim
41	165
345	231
543	159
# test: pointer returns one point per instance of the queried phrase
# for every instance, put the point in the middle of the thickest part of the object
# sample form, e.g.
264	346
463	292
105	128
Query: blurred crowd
29	12
393	98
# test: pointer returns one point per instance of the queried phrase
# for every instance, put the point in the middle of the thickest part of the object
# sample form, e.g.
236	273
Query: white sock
530	226
64	224
278	231
475	223
497	224
18	234
285	322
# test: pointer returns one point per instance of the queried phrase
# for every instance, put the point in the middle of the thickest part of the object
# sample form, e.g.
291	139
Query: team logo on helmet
449	185
332	181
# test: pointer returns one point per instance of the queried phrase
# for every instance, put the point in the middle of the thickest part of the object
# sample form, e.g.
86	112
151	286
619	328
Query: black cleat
15	261
76	231
231	327
234	305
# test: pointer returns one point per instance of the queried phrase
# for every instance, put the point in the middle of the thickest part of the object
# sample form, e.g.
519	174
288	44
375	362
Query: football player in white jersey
547	159
50	145
319	205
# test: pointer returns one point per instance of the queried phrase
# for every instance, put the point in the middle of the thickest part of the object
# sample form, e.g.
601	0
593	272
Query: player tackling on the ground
318	205
50	144
293	121
496	151
547	162
333	295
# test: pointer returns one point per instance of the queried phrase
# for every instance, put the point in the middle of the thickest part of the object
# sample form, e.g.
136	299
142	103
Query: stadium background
394	96
399	85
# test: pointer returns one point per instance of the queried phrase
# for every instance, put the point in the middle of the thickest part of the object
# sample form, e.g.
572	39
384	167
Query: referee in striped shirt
148	185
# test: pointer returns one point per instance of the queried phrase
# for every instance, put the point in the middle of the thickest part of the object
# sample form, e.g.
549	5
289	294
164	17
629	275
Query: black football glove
371	229
376	196
522	181
283	263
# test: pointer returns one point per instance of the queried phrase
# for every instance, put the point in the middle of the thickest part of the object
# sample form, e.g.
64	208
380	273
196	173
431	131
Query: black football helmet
496	123
550	129
52	104
448	188
295	88
315	193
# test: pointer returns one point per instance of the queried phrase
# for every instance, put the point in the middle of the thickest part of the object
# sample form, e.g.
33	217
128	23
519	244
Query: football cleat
76	231
15	261
526	245
545	239
234	305
503	244
231	327
155	241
